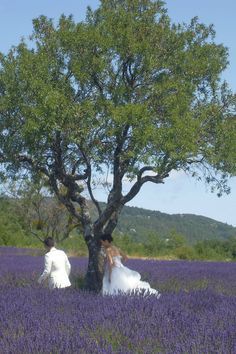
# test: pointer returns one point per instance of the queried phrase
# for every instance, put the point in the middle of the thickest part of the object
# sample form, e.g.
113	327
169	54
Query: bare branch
97	83
30	161
89	176
141	180
190	162
64	199
36	235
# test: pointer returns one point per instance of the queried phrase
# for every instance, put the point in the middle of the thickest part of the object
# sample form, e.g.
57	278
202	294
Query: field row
195	314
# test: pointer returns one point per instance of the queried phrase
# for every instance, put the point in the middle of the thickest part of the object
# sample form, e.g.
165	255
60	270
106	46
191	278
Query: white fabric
56	268
124	280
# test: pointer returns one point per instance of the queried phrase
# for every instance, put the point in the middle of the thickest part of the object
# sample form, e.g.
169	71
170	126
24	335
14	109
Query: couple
117	278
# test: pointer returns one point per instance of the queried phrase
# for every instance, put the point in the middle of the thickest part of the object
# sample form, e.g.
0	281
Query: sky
180	194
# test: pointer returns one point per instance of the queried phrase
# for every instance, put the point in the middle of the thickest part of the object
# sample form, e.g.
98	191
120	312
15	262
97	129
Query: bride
118	278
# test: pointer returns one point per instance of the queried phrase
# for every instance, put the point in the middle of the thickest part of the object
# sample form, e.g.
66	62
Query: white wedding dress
124	280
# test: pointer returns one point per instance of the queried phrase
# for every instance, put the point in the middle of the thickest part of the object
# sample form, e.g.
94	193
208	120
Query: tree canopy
124	93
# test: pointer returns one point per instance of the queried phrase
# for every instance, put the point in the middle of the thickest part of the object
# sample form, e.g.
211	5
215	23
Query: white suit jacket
56	268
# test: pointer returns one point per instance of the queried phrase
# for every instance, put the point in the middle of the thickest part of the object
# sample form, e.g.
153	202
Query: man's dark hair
107	237
49	242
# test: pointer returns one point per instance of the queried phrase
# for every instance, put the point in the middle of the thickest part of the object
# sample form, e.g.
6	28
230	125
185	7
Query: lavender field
195	314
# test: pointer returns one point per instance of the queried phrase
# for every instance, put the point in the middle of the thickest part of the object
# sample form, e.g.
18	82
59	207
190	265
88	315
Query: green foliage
11	231
175	240
156	247
151	244
38	212
186	252
178	229
132	248
215	249
74	245
125	73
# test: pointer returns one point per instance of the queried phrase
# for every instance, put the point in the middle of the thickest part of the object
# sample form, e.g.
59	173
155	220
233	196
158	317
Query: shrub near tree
123	94
11	231
41	214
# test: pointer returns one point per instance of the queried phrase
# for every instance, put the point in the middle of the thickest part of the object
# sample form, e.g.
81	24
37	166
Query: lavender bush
195	314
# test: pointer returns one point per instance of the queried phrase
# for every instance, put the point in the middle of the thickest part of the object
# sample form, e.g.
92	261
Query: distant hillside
138	222
135	222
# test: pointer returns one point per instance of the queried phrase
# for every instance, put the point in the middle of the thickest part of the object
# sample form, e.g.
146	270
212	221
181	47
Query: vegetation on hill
140	232
138	222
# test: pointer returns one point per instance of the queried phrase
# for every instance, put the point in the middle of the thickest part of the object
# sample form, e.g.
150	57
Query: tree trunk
94	275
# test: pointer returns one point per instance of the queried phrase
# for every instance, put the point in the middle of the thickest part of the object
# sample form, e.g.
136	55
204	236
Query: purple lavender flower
195	314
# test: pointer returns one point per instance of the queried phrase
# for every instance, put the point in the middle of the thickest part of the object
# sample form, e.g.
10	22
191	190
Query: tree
11	233
39	213
175	240
125	94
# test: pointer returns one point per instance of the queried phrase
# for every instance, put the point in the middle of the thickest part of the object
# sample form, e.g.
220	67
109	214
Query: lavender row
195	314
166	276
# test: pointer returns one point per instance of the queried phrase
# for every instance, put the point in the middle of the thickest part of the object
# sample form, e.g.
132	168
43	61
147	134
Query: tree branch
112	223
95	202
64	199
36	235
34	164
89	178
140	181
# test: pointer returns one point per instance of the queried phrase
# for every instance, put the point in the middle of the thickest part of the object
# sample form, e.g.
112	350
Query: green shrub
185	252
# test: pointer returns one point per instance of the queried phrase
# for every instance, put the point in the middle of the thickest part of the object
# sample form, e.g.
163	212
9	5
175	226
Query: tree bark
95	270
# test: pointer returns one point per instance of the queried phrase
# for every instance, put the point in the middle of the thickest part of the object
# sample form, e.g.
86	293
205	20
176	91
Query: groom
56	266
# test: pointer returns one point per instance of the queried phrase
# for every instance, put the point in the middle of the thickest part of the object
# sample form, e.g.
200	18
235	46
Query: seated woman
118	278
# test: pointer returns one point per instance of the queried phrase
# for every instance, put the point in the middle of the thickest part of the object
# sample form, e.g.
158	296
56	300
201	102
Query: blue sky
180	194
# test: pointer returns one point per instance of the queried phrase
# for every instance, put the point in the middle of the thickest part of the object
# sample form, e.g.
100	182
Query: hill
138	223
